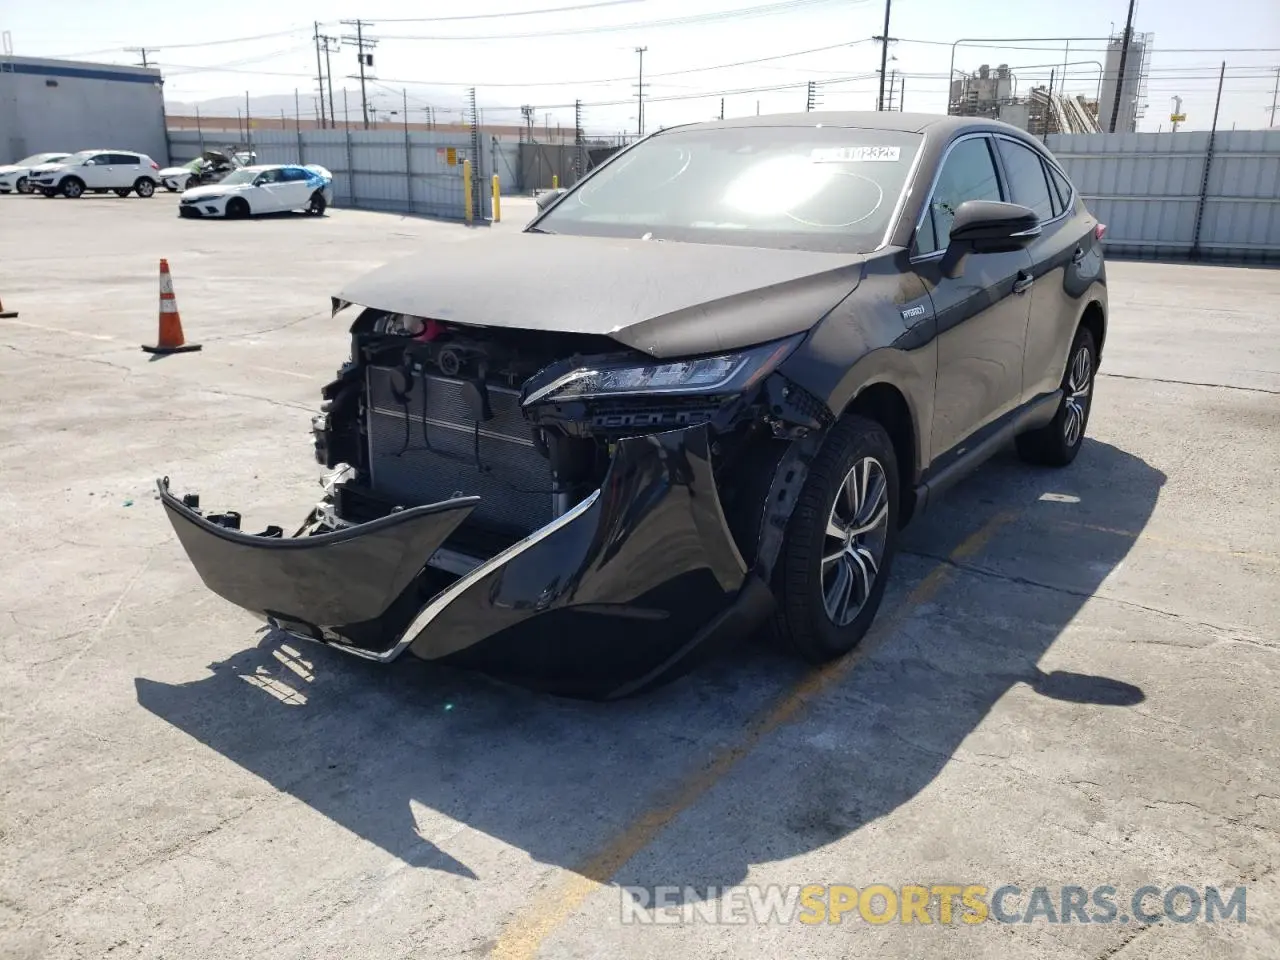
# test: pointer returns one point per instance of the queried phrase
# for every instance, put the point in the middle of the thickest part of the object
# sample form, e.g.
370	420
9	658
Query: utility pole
902	92
722	108
141	52
893	84
1275	91
640	94
810	100
1124	55
365	59
320	74
331	44
884	53
1177	112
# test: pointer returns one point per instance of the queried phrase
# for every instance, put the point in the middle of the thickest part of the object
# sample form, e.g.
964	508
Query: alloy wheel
1079	384
853	547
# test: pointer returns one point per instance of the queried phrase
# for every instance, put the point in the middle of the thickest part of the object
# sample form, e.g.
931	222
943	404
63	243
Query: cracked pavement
1082	695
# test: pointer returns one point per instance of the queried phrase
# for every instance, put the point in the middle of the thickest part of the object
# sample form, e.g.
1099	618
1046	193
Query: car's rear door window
968	173
1027	183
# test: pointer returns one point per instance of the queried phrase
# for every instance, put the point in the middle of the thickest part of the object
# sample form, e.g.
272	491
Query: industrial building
1134	87
48	105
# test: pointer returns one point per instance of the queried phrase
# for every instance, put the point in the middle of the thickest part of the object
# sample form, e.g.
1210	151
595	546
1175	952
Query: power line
688	20
508	14
142	52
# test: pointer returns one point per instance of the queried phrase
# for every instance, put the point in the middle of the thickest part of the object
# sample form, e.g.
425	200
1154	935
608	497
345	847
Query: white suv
97	171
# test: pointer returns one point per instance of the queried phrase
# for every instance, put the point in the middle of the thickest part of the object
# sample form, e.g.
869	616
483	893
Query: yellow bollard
466	190
497	200
555	181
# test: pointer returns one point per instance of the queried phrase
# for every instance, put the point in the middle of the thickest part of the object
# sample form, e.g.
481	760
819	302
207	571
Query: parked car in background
269	188
99	171
209	167
702	391
16	176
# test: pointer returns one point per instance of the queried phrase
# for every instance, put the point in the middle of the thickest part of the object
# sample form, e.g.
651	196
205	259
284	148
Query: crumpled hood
664	298
175	172
211	190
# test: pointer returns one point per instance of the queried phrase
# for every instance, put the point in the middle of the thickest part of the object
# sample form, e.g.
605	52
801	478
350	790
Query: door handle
1023	283
1078	255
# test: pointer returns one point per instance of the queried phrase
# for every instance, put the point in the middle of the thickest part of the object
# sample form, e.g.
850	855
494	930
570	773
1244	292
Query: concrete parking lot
1072	680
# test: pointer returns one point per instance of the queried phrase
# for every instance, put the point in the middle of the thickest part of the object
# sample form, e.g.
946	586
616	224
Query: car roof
935	124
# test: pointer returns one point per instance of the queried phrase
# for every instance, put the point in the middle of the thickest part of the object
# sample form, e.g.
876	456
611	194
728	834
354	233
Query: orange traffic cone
7	314
171	339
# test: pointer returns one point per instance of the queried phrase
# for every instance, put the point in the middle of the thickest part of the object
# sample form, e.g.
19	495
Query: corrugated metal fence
1180	194
409	172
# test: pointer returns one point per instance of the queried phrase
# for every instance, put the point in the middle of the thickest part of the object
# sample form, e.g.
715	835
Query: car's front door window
968	173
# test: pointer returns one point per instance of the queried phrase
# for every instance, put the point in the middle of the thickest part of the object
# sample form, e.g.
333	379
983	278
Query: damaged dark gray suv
703	390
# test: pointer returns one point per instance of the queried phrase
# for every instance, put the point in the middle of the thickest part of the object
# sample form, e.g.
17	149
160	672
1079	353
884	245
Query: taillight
1099	231
154	165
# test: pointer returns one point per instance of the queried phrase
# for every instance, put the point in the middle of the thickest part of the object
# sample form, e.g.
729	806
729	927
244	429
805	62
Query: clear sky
434	62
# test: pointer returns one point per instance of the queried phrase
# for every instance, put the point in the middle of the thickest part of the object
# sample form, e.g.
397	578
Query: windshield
38	158
240	176
809	188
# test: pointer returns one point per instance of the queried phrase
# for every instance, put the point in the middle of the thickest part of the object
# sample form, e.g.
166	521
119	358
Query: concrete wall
1152	189
67	105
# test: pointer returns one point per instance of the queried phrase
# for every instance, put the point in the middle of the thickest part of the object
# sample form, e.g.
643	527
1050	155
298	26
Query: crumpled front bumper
611	597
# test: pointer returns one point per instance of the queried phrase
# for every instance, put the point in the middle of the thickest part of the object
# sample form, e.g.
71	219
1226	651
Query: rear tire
145	186
317	204
1057	443
72	188
122	191
23	185
840	543
170	189
49	192
237	208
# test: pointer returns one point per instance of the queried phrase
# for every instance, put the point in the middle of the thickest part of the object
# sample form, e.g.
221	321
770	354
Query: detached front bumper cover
607	599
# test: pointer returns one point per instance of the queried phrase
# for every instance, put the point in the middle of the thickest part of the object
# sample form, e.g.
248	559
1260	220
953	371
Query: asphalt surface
1072	680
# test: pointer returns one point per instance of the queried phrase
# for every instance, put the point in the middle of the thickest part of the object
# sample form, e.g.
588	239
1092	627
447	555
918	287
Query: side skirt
989	441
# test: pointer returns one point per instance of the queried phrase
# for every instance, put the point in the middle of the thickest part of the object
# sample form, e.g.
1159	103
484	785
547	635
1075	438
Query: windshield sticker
855	154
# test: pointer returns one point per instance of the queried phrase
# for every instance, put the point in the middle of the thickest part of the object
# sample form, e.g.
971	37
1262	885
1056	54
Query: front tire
1057	443
145	187
840	542
73	188
49	192
317	205
122	192
23	185
237	208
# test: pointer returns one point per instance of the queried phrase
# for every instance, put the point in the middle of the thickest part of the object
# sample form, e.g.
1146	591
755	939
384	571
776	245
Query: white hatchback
99	171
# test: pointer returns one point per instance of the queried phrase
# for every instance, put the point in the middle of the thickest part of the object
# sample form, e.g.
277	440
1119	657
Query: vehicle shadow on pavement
401	755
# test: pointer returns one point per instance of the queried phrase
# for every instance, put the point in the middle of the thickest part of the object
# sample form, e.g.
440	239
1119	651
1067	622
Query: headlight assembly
723	373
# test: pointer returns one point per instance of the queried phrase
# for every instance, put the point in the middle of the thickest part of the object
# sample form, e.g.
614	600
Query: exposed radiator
515	479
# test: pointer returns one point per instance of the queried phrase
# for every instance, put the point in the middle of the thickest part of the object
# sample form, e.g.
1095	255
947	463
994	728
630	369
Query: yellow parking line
522	937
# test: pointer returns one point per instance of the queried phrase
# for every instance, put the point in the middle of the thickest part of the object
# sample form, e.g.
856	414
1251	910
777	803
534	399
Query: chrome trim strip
450	593
469	431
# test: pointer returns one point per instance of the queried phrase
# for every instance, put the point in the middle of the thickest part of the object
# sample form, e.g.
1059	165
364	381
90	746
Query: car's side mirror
259	181
988	226
547	197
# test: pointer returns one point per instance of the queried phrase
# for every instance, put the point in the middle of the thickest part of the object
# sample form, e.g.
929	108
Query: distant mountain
448	106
